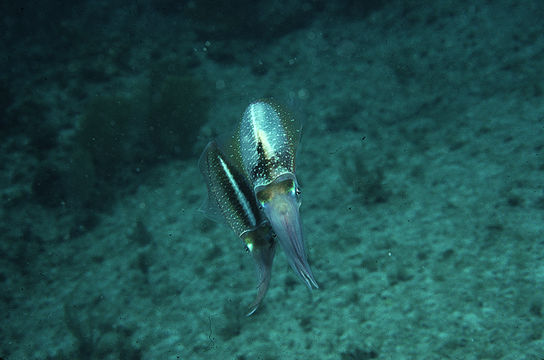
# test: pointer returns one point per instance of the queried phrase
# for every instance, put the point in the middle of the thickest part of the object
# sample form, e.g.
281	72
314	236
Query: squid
267	140
252	187
231	199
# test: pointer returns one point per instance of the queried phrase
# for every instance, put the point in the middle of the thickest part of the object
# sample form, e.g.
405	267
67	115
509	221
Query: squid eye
298	191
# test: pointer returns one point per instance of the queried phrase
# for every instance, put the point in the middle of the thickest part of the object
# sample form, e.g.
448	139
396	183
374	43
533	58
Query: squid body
268	138
252	186
231	197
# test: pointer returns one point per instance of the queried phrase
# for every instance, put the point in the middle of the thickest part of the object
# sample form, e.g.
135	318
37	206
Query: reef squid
252	187
268	138
231	198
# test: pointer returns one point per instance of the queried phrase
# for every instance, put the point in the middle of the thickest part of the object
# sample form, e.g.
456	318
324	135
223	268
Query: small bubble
302	94
220	84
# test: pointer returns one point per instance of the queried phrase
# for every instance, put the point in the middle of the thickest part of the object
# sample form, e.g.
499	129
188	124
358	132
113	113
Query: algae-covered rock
104	133
178	108
79	178
47	186
121	135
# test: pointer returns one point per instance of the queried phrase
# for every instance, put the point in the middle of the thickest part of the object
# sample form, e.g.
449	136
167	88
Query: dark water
420	164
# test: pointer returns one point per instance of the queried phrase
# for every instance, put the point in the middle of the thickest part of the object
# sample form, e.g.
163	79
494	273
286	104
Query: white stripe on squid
239	194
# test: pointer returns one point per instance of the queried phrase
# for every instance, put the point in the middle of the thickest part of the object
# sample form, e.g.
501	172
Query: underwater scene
343	180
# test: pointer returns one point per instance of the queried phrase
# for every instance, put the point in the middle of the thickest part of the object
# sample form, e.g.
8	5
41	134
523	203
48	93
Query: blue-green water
421	166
